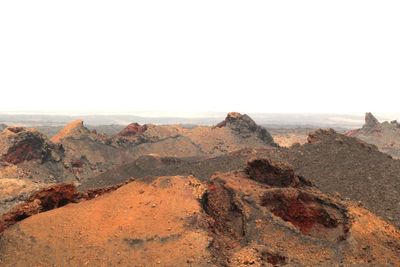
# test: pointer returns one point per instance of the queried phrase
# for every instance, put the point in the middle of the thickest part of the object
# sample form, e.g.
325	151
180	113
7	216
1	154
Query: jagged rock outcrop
385	135
18	144
370	121
244	126
231	220
272	173
72	129
2	127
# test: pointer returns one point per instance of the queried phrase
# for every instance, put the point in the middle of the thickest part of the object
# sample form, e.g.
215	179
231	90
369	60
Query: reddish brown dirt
140	224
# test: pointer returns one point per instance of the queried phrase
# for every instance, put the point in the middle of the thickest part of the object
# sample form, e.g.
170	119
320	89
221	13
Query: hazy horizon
319	120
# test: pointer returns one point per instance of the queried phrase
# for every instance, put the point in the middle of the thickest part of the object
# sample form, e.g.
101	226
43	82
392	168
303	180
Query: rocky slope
385	135
352	168
26	153
264	215
335	163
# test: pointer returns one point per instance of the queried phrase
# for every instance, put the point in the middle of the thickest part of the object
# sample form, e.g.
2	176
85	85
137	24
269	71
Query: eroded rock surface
244	126
18	144
230	220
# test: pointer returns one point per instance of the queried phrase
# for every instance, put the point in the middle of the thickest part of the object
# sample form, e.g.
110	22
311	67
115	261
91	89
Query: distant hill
385	135
77	152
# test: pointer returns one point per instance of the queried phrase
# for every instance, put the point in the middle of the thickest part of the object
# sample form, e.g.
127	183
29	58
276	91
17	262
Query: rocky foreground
263	215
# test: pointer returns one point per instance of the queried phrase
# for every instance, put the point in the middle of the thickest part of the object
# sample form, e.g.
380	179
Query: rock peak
133	129
235	118
370	121
73	128
245	127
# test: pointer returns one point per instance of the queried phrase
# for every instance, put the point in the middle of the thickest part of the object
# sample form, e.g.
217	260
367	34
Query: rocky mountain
76	153
385	135
94	153
263	215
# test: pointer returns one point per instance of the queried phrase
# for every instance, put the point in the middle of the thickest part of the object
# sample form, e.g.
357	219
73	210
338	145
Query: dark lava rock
18	144
244	126
370	121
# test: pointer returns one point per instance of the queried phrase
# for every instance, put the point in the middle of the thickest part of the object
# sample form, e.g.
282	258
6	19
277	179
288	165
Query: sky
188	57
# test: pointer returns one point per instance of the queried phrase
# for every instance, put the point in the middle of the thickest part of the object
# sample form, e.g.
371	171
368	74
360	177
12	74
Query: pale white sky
200	56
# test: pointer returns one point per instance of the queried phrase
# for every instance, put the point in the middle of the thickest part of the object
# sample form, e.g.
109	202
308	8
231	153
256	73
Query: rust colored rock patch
44	200
311	215
24	151
133	129
18	144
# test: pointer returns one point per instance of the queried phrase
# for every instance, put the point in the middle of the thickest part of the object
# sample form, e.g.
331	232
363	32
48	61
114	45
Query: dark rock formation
2	127
133	129
244	126
273	173
18	144
370	121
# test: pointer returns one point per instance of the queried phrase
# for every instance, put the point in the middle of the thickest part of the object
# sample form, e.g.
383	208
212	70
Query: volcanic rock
370	121
44	199
133	129
244	126
90	154
19	144
351	167
273	173
73	129
385	135
232	220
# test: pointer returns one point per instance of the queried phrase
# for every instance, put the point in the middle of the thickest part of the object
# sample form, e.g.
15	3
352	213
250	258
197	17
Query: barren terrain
232	194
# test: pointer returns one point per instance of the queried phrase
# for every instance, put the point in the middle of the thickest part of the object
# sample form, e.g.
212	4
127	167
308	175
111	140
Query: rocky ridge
385	135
